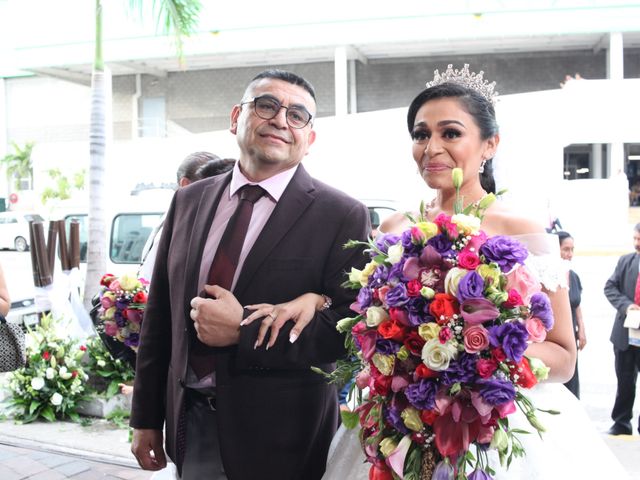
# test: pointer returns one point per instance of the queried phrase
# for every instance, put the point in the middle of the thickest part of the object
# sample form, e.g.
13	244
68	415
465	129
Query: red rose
514	299
83	348
526	378
414	287
46	355
414	343
380	472
106	279
382	384
428	416
498	354
140	297
74	374
468	260
486	367
422	371
398	315
374	294
391	331
443	307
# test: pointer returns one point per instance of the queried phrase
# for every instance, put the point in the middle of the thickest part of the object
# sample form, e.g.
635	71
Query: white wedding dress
571	448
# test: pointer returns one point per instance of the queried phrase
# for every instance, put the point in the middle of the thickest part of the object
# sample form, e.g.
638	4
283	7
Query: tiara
464	77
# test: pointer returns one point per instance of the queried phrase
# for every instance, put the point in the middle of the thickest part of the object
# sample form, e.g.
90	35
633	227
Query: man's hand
633	306
146	446
217	319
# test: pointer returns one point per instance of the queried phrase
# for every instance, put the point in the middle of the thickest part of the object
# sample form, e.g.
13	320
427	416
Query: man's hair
637	227
191	163
285	76
215	167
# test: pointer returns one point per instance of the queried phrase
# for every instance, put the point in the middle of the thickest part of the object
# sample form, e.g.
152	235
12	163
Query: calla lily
398	456
478	310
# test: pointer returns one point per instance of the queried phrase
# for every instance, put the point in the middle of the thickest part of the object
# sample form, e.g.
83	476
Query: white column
615	71
135	107
341	81
353	88
3	119
596	160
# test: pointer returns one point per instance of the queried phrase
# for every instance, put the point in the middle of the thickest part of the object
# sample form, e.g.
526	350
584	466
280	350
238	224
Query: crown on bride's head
464	77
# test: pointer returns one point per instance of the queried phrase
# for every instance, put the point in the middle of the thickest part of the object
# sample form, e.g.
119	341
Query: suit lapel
294	201
633	275
202	224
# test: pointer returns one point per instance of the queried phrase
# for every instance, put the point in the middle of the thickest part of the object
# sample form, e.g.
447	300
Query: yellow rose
467	224
411	418
375	316
387	446
429	331
367	272
108	314
427	292
429	229
129	282
489	272
403	353
355	275
384	363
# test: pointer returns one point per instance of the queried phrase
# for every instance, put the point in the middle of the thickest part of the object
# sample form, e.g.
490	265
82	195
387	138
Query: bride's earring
481	169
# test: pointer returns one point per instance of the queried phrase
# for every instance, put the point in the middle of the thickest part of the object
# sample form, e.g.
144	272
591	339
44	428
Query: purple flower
495	391
397	296
512	337
470	286
394	418
444	471
132	340
122	303
505	251
384	241
541	308
462	369
396	271
387	347
442	245
478	474
410	248
379	276
478	310
418	310
422	394
364	297
120	320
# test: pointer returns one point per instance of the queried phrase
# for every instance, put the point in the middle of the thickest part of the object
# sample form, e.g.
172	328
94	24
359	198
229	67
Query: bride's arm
558	351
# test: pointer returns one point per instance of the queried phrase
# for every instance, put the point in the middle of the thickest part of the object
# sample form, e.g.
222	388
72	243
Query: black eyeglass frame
277	102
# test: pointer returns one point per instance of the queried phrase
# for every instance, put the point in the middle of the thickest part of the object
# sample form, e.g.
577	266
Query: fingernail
255	345
243	323
267	347
293	337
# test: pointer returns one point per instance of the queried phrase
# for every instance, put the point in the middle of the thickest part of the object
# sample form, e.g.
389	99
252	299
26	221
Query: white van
14	229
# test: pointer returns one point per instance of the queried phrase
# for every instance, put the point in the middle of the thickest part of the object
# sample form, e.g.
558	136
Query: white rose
37	383
394	254
64	373
56	399
437	356
375	316
101	363
50	373
452	280
467	224
355	275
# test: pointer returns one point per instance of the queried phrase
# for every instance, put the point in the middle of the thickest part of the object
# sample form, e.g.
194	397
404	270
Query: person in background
623	292
575	293
195	166
5	301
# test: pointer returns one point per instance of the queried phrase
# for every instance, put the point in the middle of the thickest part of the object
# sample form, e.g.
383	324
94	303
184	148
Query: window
129	233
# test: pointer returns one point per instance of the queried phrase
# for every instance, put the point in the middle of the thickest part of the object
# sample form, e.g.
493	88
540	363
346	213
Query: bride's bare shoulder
501	220
395	223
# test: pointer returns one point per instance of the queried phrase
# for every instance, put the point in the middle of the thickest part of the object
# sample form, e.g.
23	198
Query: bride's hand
300	310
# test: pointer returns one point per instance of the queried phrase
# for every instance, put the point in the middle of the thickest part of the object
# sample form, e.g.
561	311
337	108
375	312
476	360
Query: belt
195	398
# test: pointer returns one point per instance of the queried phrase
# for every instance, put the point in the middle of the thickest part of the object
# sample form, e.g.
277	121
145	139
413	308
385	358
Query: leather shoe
617	429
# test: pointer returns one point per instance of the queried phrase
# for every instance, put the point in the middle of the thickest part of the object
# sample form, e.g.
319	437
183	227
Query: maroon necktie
636	297
223	267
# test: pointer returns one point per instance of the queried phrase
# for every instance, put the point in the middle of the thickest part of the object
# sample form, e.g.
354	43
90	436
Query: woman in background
575	294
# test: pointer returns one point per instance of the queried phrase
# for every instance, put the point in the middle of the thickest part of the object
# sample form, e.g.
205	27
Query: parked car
14	229
379	210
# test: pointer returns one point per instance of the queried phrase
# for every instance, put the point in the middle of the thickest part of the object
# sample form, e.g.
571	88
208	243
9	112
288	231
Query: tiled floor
21	463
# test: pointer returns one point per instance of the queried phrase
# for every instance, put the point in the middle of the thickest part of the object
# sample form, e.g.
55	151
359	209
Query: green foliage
105	372
18	164
52	383
63	186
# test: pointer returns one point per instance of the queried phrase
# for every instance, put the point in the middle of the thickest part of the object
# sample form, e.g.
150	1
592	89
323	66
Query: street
597	376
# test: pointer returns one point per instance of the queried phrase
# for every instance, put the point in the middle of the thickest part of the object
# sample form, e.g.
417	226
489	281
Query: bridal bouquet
122	303
445	314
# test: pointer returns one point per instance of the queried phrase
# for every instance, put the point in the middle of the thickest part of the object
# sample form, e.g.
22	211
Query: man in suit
623	292
256	412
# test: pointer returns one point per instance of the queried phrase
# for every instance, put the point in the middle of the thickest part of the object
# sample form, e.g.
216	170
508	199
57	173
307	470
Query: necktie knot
251	193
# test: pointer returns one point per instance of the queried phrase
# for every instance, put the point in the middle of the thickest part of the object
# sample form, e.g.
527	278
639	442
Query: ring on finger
272	315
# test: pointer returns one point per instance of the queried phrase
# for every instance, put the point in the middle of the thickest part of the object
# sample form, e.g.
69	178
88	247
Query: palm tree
177	17
18	164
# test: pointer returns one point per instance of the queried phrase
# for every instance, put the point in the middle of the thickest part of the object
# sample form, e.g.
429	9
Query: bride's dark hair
475	105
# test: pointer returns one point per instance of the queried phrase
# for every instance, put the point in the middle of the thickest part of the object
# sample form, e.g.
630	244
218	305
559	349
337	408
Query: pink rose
468	260
382	293
536	330
522	280
486	367
476	338
106	302
363	378
473	245
111	329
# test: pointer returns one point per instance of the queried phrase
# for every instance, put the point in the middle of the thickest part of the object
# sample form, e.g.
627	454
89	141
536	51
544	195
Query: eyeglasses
267	107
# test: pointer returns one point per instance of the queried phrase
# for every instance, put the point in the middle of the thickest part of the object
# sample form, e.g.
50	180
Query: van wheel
21	244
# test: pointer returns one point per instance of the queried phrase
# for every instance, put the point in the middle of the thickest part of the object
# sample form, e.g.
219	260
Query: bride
452	124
